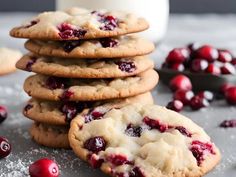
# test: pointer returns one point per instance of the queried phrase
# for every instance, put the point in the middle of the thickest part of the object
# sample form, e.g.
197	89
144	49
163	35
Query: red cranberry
66	95
95	144
109	23
5	147
177	66
3	114
68	31
183	131
225	56
70	110
28	107
184	96
155	124
200	149
198	102
228	68
136	172
93	115
117	159
230	95
178	55
134	131
68	46
198	65
228	123
30	63
207	95
126	66
207	52
225	87
213	69
44	167
108	42
233	62
180	82
95	161
175	105
55	83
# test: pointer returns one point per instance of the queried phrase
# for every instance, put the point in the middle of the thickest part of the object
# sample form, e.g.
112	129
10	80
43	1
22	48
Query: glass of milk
155	11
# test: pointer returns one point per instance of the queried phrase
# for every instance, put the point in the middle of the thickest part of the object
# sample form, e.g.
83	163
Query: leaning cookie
8	59
77	23
65	89
50	136
61	113
143	141
83	68
116	47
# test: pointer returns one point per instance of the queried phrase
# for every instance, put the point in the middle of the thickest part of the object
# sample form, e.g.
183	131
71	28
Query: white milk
155	11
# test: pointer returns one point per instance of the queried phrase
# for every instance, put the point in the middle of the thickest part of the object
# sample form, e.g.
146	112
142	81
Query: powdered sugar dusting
17	164
16	169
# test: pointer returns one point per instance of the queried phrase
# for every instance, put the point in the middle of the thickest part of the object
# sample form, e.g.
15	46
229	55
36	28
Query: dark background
177	6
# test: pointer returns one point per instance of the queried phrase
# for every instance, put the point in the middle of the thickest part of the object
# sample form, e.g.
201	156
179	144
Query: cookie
50	136
8	59
117	47
61	113
77	23
83	68
65	89
143	141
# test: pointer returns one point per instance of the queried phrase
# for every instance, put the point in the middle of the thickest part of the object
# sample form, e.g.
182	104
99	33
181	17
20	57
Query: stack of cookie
83	59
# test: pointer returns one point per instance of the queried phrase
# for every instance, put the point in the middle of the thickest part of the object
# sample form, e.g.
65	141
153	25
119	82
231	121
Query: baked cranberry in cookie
55	83
143	141
126	66
68	31
108	42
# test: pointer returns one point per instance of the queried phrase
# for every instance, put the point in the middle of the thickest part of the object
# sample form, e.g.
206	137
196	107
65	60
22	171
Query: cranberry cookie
8	59
77	23
50	135
83	68
65	89
61	113
116	47
143	141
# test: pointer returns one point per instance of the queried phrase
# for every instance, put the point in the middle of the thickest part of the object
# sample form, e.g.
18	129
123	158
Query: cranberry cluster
67	31
201	59
109	22
184	96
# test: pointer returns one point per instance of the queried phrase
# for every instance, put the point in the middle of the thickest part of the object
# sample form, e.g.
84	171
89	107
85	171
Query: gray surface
218	30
